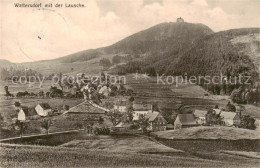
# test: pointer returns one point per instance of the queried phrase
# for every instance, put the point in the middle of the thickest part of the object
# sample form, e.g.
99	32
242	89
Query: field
203	132
126	144
255	155
42	156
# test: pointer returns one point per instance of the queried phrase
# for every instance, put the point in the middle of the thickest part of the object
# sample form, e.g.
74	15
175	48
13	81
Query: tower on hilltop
180	20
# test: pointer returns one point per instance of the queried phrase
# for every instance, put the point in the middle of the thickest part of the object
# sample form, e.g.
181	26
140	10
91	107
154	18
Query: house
217	111
230	118
156	120
26	113
43	109
141	110
200	116
121	106
184	121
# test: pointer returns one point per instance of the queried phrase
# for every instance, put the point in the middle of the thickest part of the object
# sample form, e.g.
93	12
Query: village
112	109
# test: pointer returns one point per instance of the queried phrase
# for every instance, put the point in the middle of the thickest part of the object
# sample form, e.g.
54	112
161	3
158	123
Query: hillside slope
161	38
229	52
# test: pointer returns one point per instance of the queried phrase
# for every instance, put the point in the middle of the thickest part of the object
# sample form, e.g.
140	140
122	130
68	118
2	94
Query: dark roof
45	106
142	107
200	113
29	111
152	115
86	107
187	119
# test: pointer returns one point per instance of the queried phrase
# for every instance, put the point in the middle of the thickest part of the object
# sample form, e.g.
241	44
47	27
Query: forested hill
229	52
163	37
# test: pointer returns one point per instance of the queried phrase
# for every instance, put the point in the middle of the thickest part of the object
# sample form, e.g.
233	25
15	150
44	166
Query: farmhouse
141	110
156	120
26	113
230	118
200	116
43	109
184	121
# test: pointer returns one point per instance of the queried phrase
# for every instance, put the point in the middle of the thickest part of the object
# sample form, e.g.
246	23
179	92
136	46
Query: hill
230	52
160	39
163	37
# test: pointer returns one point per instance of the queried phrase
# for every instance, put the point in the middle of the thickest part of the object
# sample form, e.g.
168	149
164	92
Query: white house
43	109
156	120
200	116
26	113
137	114
21	114
141	110
230	118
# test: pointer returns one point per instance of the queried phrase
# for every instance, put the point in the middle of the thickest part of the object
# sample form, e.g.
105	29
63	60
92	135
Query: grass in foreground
131	144
41	156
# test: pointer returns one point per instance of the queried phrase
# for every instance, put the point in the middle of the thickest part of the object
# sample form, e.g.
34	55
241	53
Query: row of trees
245	95
8	73
115	60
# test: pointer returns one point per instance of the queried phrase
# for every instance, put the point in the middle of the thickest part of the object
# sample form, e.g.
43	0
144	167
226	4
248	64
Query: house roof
123	125
86	107
121	103
142	107
151	115
228	115
187	119
200	113
217	111
29	111
45	106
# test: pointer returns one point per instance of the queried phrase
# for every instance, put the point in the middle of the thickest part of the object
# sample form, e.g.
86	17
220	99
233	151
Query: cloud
29	34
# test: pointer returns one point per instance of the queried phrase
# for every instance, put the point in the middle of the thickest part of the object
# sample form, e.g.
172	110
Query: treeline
8	73
115	60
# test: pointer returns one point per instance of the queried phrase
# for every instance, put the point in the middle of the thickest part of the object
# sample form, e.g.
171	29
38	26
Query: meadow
43	156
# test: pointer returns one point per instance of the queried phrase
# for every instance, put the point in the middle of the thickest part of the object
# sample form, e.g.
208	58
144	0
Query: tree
131	99
115	117
66	107
17	104
22	127
130	111
212	118
122	89
100	120
143	123
7	93
79	125
247	122
41	94
105	62
230	107
46	123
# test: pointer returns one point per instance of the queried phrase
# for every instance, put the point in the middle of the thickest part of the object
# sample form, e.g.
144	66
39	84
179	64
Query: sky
31	34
